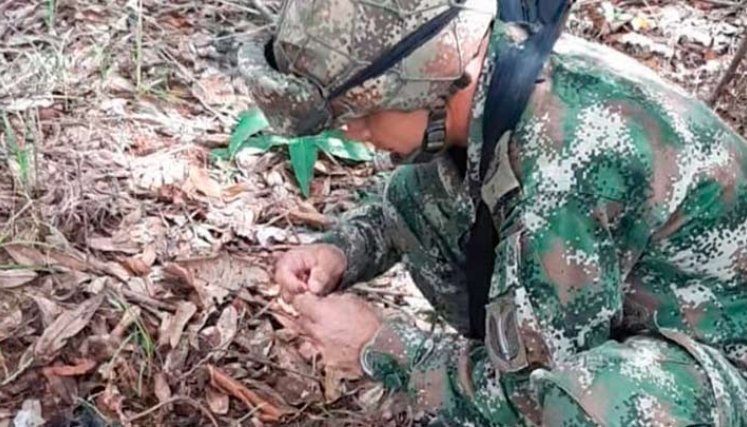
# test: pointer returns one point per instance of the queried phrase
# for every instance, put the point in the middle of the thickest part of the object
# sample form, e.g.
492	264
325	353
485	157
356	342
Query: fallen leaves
202	181
81	367
173	333
10	320
217	401
30	414
14	278
267	411
66	325
161	388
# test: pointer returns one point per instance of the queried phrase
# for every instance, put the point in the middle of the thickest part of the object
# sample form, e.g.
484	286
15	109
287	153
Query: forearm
363	237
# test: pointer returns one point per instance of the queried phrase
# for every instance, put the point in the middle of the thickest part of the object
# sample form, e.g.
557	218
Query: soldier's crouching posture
593	256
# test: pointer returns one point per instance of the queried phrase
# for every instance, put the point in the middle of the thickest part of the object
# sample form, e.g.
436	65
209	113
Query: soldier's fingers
289	274
319	280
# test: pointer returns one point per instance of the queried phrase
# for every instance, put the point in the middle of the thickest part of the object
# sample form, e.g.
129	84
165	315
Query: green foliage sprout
304	151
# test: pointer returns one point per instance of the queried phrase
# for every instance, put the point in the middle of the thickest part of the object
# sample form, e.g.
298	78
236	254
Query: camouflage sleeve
557	285
363	237
446	377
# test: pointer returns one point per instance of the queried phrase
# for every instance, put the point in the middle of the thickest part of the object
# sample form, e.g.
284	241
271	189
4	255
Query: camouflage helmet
298	75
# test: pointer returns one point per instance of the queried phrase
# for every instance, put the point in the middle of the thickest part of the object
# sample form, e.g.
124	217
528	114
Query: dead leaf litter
136	270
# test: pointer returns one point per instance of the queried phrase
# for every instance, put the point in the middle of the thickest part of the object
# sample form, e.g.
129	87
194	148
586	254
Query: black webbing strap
511	85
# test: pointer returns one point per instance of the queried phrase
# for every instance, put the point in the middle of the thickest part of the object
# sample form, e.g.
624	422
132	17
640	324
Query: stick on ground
729	75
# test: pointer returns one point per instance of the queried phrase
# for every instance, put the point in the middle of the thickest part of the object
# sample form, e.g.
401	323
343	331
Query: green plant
20	154
50	14
303	151
142	338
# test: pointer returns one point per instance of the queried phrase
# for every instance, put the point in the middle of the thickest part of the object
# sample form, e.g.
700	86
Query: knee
641	382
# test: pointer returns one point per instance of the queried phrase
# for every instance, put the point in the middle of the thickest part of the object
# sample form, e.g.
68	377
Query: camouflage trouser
655	379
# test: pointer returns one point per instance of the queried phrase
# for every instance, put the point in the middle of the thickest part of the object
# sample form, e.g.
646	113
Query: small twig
249	414
174	399
200	364
10	223
144	299
139	47
24	364
729	75
724	3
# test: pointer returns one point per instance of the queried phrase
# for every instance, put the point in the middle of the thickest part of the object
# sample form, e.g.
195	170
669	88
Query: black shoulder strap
512	83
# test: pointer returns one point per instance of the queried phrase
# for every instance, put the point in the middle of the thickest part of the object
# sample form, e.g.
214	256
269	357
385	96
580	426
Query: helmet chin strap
434	139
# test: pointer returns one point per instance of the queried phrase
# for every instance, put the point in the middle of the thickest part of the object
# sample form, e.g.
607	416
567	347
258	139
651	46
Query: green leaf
335	145
220	153
250	123
262	143
303	155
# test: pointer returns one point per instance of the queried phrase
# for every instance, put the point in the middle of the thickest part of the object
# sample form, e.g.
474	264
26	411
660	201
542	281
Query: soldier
617	270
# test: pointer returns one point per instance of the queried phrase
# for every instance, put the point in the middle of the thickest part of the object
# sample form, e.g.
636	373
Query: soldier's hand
314	268
340	325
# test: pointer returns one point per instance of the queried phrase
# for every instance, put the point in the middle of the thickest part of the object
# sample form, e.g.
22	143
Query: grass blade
303	155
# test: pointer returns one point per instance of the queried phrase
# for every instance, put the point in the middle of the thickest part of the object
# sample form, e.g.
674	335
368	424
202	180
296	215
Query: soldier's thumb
318	281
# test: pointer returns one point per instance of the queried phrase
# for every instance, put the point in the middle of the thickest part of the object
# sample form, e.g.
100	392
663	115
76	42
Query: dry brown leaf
116	270
161	387
67	325
235	190
217	401
297	390
97	285
30	414
109	244
227	326
49	309
25	255
10	320
311	218
203	183
184	311
81	367
334	380
214	278
149	255
222	381
14	278
136	266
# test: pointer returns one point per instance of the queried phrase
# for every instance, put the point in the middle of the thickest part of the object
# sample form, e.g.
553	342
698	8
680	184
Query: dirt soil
135	269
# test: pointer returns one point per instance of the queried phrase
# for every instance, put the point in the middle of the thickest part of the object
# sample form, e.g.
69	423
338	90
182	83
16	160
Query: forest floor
136	270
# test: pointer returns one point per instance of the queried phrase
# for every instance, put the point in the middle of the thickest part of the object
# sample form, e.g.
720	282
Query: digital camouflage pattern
320	44
619	295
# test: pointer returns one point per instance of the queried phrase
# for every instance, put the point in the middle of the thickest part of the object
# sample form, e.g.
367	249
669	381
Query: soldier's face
397	131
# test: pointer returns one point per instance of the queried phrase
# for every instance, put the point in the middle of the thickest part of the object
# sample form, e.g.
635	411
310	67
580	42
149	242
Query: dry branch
729	75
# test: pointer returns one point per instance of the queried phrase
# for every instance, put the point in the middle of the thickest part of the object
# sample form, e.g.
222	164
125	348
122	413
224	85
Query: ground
135	269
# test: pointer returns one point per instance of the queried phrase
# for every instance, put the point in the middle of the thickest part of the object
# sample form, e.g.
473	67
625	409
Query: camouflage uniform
619	295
